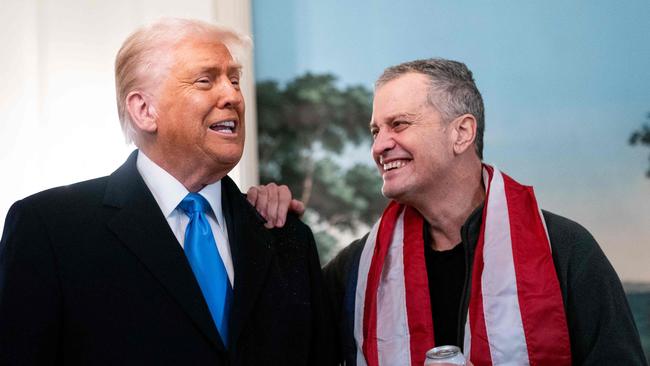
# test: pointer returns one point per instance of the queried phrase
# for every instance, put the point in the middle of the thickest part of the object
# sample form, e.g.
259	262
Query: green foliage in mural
303	130
642	137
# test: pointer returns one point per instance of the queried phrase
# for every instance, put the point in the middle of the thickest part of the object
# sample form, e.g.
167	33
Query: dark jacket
601	327
91	274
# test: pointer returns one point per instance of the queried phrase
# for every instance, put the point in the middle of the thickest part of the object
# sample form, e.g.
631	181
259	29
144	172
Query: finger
251	195
272	206
284	200
262	201
297	207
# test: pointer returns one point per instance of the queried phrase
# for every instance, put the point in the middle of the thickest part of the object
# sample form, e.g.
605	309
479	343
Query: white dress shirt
169	193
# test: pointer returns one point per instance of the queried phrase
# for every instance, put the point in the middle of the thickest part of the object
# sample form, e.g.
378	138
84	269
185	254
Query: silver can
448	355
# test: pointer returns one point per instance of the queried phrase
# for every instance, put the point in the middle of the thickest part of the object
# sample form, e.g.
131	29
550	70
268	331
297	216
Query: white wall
58	119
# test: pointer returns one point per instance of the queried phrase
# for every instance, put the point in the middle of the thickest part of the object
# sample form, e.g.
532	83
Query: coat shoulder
68	197
565	231
294	235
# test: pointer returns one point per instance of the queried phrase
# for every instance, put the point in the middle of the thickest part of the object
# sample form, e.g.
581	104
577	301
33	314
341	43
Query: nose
229	95
383	142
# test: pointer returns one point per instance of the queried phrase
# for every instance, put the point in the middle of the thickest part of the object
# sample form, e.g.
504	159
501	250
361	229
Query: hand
273	202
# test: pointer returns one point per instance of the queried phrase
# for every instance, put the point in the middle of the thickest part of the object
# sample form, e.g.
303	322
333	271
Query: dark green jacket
601	327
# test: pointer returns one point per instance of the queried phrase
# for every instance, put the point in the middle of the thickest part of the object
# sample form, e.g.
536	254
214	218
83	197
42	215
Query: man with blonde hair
163	262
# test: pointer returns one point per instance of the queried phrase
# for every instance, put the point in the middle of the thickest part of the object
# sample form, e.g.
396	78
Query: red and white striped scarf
516	315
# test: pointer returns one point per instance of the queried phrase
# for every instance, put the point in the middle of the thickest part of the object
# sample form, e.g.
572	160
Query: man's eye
203	81
234	81
374	132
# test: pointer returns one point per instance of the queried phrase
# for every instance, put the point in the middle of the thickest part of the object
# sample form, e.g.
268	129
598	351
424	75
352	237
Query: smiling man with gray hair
163	262
462	255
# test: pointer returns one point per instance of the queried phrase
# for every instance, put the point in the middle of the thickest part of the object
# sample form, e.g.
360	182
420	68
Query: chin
390	192
227	155
227	165
399	194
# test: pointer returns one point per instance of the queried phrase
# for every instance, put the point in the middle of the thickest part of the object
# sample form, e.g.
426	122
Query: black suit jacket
91	274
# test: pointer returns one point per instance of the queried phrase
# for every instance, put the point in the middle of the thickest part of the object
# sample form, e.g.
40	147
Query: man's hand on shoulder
274	202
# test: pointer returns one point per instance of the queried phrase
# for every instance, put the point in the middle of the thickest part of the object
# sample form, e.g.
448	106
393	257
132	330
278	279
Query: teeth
394	165
225	126
230	124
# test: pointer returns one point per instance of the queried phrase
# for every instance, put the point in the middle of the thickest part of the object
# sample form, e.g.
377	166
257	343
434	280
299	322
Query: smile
396	164
226	127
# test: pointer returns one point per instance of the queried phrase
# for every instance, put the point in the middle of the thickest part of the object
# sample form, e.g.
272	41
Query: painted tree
642	137
304	128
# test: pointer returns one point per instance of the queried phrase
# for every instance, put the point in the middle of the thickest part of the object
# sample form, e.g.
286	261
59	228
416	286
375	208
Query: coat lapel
250	245
141	226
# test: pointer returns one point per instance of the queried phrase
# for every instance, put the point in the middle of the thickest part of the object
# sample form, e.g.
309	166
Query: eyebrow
403	115
393	117
230	69
234	68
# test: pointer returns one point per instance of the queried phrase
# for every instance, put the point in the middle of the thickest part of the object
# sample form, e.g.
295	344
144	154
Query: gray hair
145	54
452	90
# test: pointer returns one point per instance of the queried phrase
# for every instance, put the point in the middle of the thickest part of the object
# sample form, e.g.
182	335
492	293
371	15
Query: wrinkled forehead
203	50
406	94
235	44
191	52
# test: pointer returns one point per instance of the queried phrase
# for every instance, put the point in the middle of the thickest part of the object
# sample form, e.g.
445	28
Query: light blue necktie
207	265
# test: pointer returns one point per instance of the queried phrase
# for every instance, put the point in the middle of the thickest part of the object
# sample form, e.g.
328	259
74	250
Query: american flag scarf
516	315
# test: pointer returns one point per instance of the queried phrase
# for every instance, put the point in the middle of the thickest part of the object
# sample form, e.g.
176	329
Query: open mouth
226	127
395	164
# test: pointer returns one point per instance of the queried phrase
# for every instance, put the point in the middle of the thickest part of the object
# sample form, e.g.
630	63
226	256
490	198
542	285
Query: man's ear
142	111
465	133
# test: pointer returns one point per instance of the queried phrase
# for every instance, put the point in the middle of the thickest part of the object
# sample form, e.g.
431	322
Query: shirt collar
169	192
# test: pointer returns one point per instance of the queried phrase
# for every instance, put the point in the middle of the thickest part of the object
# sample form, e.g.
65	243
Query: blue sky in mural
564	83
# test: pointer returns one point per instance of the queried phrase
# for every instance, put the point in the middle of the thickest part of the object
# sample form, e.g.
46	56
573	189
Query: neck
446	210
193	178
